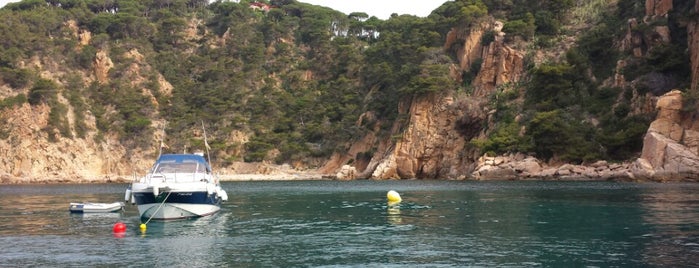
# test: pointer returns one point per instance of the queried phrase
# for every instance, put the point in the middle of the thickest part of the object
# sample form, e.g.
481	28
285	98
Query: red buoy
119	227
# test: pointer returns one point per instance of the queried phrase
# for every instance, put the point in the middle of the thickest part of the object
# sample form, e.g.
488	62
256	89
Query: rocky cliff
35	152
671	146
32	154
431	136
670	153
430	145
433	144
28	156
433	141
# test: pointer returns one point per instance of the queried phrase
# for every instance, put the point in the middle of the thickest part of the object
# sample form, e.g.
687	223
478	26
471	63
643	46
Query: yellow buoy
393	197
142	227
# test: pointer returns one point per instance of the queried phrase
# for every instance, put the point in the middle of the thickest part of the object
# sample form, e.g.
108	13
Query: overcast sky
4	2
382	9
379	8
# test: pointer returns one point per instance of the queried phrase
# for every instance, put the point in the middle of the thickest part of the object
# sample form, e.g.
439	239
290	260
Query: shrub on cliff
560	135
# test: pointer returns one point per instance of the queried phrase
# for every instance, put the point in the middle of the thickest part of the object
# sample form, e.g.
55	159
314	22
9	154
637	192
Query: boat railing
177	172
176	177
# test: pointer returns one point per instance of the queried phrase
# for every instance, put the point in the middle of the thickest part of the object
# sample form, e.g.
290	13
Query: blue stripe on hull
177	197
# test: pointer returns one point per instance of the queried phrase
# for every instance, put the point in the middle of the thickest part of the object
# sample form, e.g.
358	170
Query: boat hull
176	205
95	207
178	186
175	211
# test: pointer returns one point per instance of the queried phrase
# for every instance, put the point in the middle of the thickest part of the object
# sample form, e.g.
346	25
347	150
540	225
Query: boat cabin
180	168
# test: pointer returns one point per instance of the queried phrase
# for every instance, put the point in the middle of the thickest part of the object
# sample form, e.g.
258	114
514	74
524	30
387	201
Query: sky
382	9
4	2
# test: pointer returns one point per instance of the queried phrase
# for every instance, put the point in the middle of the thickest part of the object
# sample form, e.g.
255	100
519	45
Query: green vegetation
297	78
563	99
9	102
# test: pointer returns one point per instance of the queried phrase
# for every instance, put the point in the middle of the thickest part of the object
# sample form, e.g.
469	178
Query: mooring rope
161	205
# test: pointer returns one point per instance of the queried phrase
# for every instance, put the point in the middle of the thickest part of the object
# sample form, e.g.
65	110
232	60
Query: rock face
469	47
501	65
693	39
429	147
27	156
670	153
347	172
657	8
430	140
433	142
670	148
639	41
102	65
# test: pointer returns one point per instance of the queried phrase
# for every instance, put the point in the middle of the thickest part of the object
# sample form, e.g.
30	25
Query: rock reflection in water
673	212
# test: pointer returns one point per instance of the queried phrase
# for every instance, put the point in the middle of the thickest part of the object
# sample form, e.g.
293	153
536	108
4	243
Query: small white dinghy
95	207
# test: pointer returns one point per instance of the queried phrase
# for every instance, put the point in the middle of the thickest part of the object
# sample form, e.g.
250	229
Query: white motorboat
88	207
178	186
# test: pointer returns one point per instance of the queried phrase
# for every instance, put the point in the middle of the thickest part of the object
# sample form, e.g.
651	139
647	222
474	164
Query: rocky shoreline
61	179
7	179
669	154
500	168
520	167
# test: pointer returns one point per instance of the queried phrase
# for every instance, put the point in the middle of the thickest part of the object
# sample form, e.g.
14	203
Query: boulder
579	169
600	164
641	169
563	172
664	156
489	172
500	160
681	160
691	140
548	173
654	148
527	166
386	170
347	172
669	106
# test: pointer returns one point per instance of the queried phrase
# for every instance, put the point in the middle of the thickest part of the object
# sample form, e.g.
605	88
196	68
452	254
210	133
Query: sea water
350	224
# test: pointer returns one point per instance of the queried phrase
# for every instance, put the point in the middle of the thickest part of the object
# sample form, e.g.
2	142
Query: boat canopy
197	162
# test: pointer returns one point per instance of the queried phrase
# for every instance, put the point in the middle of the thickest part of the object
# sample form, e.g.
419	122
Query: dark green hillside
296	78
569	108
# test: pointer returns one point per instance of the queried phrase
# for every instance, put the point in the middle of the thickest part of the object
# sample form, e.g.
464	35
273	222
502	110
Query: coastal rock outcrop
29	155
501	65
429	147
433	141
497	63
102	64
520	167
670	147
347	172
670	153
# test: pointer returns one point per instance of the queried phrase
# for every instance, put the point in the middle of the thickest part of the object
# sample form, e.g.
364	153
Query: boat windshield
181	163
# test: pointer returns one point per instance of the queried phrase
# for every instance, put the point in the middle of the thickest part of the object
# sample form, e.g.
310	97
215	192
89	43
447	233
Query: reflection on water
329	223
394	214
672	212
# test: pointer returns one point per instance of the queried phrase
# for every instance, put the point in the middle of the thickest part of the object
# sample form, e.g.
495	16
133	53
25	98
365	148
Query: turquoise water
339	224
